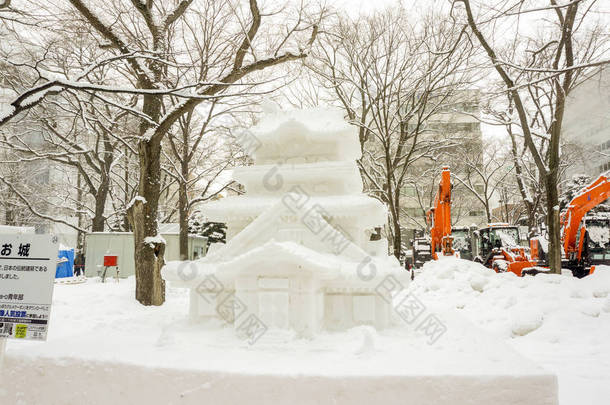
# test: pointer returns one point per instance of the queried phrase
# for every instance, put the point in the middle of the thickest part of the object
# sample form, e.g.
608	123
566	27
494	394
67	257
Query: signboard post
27	273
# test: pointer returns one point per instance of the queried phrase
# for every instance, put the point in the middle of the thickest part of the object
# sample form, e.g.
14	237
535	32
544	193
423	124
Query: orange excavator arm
590	197
439	218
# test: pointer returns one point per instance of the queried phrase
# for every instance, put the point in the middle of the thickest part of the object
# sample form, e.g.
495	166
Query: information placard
27	274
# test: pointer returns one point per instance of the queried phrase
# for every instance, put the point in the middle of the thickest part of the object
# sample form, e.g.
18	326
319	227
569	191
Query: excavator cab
593	248
462	242
498	248
597	240
496	237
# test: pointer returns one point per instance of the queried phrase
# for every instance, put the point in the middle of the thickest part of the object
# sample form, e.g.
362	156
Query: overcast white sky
356	7
361	5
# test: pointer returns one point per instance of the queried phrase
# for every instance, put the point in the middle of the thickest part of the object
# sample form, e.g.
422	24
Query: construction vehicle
498	248
421	251
439	219
586	241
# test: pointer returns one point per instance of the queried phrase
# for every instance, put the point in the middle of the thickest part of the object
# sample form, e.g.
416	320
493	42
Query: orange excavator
585	243
439	219
498	243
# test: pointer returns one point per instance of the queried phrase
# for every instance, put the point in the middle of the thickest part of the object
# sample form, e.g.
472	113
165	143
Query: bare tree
483	174
139	38
390	77
527	183
200	154
84	135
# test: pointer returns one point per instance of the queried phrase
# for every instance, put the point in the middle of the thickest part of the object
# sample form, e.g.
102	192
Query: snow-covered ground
495	323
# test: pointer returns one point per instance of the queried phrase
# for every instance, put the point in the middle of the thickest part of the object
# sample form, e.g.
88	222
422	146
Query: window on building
410	191
43	177
476	213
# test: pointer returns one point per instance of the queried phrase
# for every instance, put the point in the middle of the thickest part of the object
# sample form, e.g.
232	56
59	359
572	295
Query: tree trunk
150	287
394	195
126	225
183	212
554	227
552	180
9	216
100	205
525	198
397	239
80	237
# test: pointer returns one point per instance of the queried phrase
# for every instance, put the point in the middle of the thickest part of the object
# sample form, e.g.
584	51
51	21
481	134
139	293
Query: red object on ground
110	260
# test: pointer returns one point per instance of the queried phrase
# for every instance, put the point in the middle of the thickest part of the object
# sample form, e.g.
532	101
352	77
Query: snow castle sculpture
300	255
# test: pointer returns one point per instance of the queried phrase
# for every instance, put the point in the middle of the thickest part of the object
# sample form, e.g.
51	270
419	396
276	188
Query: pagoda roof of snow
308	175
259	241
325	266
305	132
370	211
304	170
316	121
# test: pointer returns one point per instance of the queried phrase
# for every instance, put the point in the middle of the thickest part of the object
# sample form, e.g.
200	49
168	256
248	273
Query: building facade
586	126
458	127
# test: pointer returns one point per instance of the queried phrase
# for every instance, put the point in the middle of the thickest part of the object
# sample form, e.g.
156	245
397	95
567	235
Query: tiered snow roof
269	239
315	133
372	212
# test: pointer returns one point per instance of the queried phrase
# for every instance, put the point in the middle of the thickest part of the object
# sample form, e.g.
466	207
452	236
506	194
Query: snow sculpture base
332	369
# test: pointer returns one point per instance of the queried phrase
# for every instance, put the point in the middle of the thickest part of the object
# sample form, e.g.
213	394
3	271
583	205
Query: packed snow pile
559	321
507	304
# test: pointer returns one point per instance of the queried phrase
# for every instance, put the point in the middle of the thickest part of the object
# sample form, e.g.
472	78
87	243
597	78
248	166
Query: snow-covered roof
371	212
273	252
278	217
261	241
315	121
169	227
271	258
305	132
344	173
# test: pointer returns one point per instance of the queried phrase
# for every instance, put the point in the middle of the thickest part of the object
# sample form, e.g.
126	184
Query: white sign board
27	273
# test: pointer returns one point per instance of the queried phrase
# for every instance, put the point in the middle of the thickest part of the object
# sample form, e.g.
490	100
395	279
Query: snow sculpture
301	253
